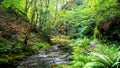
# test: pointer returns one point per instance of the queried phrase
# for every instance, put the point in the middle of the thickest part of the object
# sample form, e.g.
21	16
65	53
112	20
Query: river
46	58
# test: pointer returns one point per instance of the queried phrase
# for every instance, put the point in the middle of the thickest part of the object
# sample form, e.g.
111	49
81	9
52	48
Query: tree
30	23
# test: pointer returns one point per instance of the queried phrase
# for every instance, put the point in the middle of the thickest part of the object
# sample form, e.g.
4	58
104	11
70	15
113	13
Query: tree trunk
30	24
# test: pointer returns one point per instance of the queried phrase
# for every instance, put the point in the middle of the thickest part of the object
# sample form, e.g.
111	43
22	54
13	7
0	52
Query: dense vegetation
90	28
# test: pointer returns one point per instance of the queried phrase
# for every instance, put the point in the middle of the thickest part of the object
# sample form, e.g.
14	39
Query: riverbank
12	36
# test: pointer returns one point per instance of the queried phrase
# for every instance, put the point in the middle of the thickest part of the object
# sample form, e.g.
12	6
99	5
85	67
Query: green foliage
17	47
80	45
79	22
80	53
15	4
104	57
86	17
13	50
10	50
13	46
80	60
96	33
39	46
108	50
63	24
6	58
4	47
102	10
94	65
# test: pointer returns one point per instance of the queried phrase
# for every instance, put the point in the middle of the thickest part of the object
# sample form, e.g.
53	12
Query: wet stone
45	58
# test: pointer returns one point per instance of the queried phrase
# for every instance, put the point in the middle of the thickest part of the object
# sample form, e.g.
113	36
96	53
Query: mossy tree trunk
30	24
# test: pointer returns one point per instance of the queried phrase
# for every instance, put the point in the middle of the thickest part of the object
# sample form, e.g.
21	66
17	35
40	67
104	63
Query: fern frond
104	59
118	59
116	64
94	65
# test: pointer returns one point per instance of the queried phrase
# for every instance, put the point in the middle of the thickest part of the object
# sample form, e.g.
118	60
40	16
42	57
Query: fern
102	61
94	65
116	64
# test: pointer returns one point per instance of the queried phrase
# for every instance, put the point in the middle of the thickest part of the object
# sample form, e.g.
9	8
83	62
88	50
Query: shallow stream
46	58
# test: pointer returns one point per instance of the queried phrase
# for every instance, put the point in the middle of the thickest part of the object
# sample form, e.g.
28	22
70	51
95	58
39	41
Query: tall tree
30	24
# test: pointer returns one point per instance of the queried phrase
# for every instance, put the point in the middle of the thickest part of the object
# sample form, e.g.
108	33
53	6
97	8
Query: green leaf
94	65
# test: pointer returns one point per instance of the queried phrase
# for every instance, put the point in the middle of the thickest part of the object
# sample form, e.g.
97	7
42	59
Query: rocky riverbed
46	58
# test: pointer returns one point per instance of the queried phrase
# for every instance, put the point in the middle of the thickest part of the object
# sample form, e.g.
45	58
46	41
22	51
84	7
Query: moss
10	58
60	39
3	40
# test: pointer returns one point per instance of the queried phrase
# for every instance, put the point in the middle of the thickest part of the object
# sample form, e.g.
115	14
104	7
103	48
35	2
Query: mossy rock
60	39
